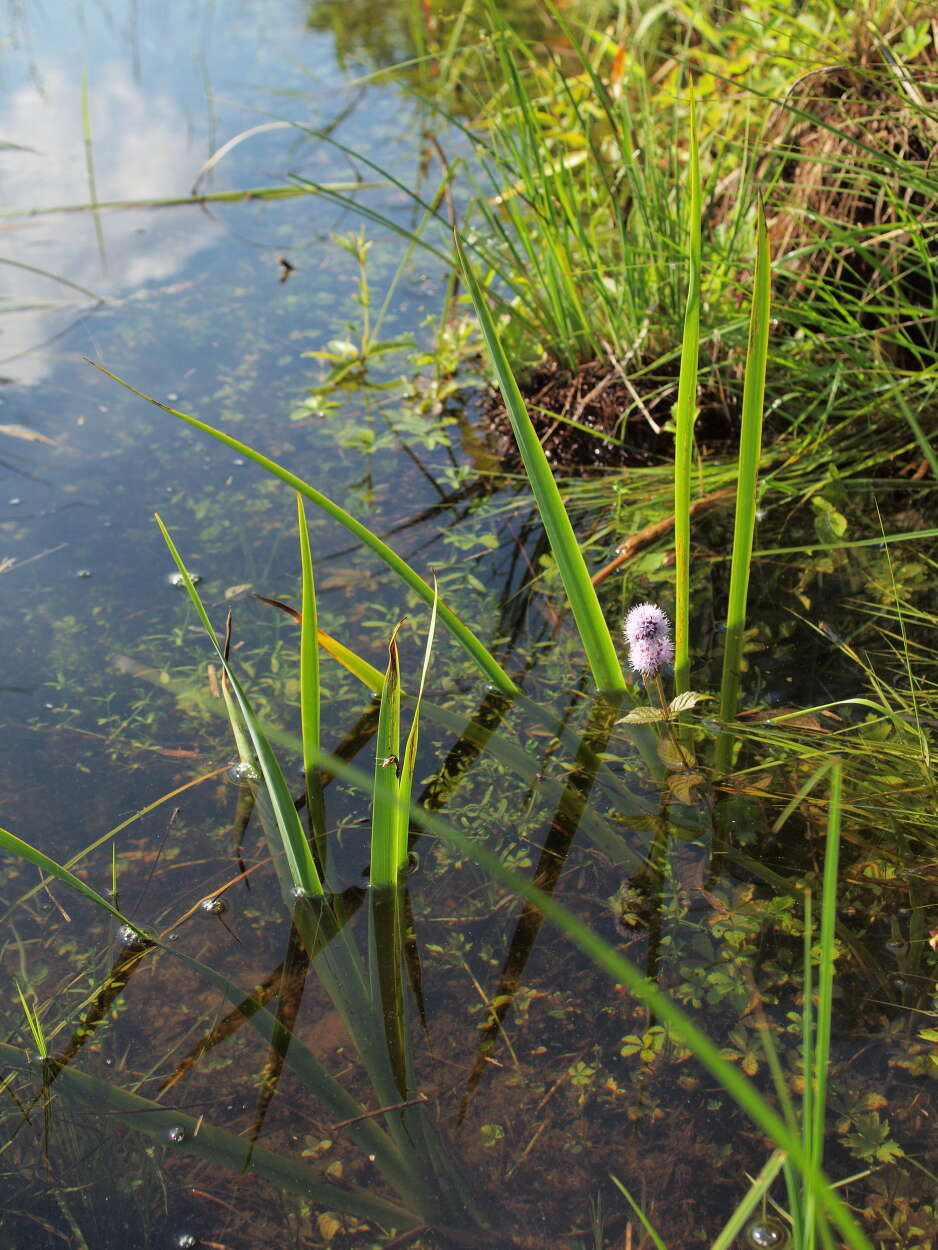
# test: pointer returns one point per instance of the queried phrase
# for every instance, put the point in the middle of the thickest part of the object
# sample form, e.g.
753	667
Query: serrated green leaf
641	716
689	699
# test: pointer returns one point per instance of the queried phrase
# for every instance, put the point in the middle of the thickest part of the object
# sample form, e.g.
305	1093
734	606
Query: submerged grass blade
650	1230
182	1132
594	632
684	416
333	1096
750	449
88	144
463	635
825	990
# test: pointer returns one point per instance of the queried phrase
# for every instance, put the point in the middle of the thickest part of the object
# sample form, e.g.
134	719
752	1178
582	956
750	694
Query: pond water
530	1077
190	309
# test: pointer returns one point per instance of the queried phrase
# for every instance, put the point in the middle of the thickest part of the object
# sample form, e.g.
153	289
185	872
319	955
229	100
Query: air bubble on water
214	906
176	1134
766	1233
126	935
299	894
186	1241
176	578
243	771
83	573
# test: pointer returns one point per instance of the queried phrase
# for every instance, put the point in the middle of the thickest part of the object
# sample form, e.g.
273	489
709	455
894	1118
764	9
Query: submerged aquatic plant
648	633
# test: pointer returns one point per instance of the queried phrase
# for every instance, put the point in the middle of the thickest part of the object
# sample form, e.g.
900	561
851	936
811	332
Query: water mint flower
647	633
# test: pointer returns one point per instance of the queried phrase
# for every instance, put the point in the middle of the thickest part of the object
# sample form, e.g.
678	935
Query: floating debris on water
176	1134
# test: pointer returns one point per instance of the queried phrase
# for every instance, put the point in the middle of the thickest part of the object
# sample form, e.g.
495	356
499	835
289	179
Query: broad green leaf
641	716
689	699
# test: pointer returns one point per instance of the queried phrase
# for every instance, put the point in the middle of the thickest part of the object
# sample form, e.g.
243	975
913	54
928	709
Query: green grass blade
760	1186
594	632
303	872
13	845
310	720
463	635
807	1045
750	449
920	436
386	811
684	416
409	761
33	1023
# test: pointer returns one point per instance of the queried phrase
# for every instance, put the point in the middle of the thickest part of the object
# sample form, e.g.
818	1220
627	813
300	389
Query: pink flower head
647	633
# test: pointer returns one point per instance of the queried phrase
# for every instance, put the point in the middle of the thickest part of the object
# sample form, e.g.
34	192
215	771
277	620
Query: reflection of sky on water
139	141
194	314
167	84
